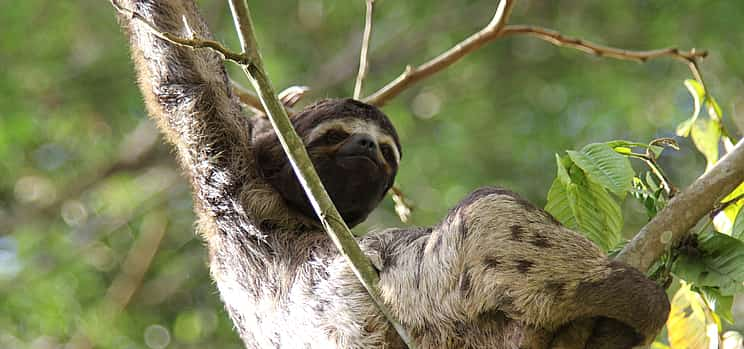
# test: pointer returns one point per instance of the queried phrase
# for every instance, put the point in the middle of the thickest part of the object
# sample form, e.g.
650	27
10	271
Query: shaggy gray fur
495	268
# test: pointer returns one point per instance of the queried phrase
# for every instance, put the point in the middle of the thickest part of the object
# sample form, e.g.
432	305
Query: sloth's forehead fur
349	115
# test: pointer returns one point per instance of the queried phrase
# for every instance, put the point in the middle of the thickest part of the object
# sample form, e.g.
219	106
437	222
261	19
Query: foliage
710	264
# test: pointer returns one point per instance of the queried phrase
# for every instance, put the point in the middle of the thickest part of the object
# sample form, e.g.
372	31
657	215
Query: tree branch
192	42
365	47
498	28
561	40
303	167
444	60
673	222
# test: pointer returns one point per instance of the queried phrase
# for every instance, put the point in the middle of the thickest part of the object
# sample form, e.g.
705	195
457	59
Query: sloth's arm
187	93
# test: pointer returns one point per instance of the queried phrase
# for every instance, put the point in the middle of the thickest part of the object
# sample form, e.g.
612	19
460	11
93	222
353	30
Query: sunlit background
97	243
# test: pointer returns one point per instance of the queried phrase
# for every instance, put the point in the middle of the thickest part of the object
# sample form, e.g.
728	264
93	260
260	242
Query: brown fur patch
492	262
540	240
517	232
523	266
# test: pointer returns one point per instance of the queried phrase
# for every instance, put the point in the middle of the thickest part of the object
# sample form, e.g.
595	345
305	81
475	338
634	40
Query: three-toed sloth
495	269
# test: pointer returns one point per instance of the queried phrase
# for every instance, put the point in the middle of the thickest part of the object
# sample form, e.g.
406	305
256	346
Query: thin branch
365	47
246	97
413	74
561	40
303	167
402	205
498	28
193	42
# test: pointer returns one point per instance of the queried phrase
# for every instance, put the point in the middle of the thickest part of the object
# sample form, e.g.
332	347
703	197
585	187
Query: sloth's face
356	156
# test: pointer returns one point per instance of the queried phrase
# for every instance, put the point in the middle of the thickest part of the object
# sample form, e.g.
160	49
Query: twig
303	167
247	97
561	40
193	42
444	60
365	47
492	32
402	206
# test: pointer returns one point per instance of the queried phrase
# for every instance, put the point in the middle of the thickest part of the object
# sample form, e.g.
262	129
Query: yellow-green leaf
706	134
698	95
690	323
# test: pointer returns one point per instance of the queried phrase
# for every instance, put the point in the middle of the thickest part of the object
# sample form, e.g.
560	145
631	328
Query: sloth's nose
360	144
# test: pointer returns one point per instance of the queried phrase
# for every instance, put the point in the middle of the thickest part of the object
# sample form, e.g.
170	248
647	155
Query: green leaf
720	263
585	206
730	221
562	164
719	303
623	143
706	134
698	95
605	167
737	231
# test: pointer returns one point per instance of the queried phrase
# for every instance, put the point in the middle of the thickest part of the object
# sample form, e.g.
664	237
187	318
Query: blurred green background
96	225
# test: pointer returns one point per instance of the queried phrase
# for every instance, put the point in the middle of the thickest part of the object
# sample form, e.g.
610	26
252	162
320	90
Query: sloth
497	272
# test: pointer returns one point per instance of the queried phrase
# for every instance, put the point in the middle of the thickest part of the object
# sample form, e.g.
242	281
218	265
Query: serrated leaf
706	134
586	207
689	320
720	263
605	167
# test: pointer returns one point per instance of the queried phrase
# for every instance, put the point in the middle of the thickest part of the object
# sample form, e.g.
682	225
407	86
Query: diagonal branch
673	222
304	169
365	47
444	60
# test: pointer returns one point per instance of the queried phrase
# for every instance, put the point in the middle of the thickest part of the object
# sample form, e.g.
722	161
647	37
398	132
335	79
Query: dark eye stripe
331	137
335	136
388	153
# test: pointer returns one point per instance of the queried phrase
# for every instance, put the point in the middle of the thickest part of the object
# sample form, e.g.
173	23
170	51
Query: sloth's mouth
358	162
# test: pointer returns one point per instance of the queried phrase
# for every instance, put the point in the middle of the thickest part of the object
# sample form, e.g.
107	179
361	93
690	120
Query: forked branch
498	28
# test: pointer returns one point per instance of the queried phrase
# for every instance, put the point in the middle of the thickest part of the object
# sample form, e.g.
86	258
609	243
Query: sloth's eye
387	152
335	136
